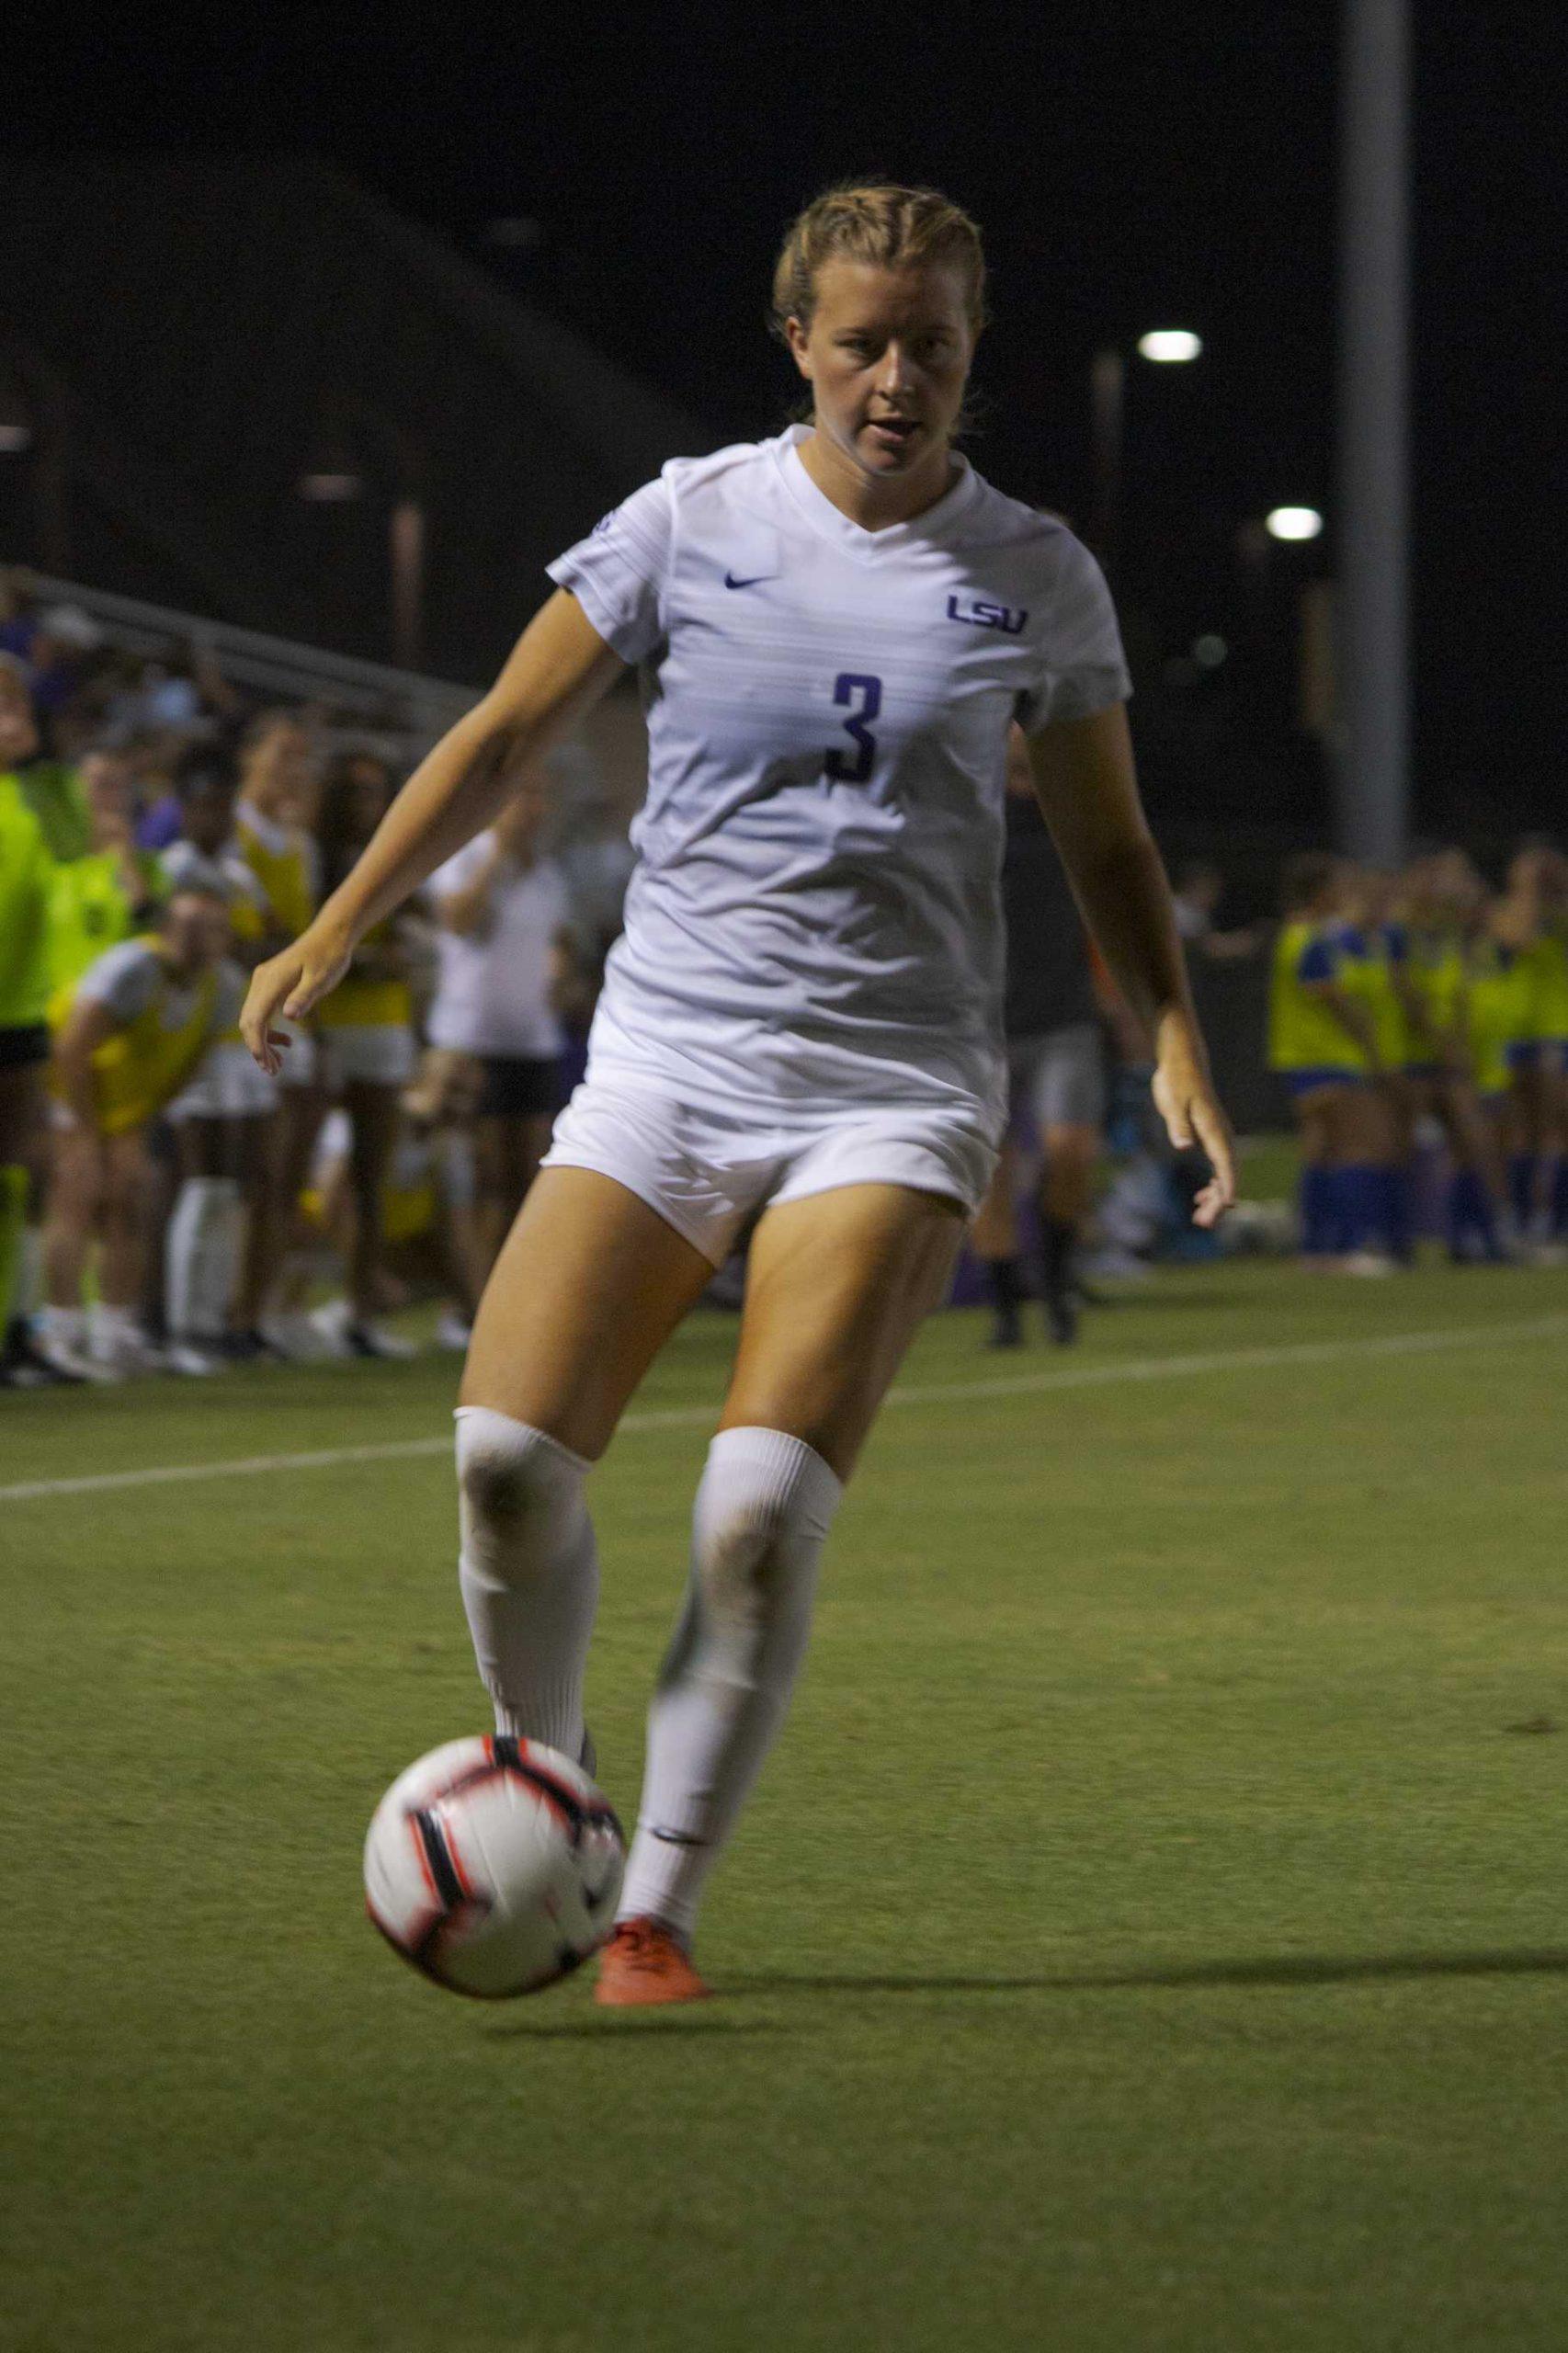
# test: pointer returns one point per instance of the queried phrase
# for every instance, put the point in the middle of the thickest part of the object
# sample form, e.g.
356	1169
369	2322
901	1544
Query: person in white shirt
220	1116
800	1027
502	908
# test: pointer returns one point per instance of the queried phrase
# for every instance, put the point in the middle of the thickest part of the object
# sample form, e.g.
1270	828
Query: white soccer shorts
228	1085
708	1173
366	1053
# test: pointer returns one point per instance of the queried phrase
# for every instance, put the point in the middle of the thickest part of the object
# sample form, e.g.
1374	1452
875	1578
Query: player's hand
293	983
1185	1100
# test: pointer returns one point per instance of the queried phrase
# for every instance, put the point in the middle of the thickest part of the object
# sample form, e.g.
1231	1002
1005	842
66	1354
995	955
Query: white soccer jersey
493	987
815	916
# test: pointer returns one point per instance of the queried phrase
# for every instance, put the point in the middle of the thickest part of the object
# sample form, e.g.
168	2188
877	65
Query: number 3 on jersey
856	688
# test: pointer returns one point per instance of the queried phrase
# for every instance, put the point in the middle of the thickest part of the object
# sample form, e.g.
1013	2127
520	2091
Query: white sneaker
328	1329
369	1340
1365	1263
452	1332
120	1351
187	1357
298	1339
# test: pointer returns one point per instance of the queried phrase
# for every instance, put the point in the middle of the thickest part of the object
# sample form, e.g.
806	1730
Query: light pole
1164	348
1372	506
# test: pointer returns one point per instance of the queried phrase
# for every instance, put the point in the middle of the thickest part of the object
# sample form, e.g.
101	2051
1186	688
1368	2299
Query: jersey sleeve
1083	666
124	978
617	572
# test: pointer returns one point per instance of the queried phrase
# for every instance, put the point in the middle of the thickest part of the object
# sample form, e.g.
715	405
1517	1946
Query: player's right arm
558	669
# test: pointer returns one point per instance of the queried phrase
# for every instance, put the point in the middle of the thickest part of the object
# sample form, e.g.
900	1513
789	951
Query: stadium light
1293	523
330	485
1170	347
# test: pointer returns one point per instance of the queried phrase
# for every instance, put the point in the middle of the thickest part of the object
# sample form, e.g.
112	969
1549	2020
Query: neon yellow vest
27	872
1438	967
142	1066
1366	977
1499	1011
1548	962
358	1002
1302	1032
89	910
283	874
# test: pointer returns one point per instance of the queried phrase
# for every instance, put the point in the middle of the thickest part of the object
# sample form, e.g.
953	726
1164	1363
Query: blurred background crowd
165	1204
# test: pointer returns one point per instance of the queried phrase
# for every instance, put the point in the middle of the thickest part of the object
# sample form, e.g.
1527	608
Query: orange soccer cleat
643	1964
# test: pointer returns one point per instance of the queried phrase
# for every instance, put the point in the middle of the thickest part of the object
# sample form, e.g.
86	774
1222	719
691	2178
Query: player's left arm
1088	788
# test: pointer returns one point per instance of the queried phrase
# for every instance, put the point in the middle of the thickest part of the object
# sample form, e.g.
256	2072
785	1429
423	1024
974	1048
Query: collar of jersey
868	547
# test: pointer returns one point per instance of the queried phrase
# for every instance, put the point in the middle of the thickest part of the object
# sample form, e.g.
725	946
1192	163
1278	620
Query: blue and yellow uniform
1498	997
1549	991
1306	1043
1438	969
1367	963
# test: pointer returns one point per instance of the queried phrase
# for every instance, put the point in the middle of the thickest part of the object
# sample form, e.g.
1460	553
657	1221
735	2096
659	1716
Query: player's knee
516	1484
764	1506
739	1546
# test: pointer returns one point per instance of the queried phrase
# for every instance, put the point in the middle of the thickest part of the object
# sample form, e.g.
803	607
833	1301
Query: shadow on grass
1307	1969
676	2023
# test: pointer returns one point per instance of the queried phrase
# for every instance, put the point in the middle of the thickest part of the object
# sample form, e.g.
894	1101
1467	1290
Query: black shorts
519	1086
28	1044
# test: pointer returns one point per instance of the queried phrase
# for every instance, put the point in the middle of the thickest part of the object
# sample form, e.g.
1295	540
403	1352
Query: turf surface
1149	1933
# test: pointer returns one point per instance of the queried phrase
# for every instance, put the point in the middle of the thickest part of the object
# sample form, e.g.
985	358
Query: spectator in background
138	1022
366	1043
112	889
1196	897
501	906
1055	1067
60	655
27	874
219	1119
1441	897
19	623
1323	1041
49	785
273	818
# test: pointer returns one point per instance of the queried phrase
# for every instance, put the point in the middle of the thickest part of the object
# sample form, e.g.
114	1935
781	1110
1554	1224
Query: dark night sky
1131	166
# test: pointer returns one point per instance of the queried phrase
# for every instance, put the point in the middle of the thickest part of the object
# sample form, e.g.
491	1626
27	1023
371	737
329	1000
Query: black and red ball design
494	1866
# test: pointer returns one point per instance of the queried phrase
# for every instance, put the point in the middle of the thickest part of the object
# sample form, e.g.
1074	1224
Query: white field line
682	1417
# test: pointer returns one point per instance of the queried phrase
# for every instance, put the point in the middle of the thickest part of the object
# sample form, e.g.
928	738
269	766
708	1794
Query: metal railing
386	701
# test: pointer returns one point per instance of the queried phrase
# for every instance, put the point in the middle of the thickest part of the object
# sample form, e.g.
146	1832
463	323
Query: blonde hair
878	221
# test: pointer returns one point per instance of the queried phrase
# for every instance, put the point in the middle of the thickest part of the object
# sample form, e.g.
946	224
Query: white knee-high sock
762	1516
200	1263
218	1261
530	1573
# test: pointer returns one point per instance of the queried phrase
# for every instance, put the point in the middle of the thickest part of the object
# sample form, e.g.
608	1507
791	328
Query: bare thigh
995	1221
588	1287
838	1285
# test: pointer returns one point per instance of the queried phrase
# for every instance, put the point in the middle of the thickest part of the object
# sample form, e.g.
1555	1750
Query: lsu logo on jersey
979	614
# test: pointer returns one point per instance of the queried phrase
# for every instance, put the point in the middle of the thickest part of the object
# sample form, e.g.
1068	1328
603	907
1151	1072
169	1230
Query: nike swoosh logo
749	582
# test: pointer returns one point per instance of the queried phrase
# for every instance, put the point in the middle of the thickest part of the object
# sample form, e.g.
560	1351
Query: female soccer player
799	1024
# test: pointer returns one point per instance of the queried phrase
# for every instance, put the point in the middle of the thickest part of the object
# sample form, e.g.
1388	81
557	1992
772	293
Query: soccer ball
494	1866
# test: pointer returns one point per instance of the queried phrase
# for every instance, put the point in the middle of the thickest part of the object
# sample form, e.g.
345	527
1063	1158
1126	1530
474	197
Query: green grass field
1150	1932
